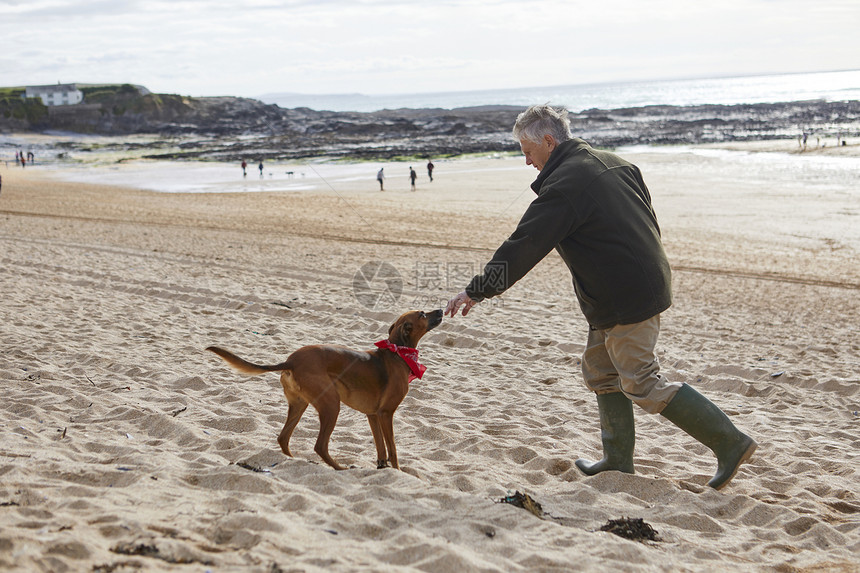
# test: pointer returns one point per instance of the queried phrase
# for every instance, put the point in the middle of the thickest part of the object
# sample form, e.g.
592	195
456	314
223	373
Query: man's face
537	154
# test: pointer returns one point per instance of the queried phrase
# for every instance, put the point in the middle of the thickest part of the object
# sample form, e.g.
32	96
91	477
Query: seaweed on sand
631	528
524	501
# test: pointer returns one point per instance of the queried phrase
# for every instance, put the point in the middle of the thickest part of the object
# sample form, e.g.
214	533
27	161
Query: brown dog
374	382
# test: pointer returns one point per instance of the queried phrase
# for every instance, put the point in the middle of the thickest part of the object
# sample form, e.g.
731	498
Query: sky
376	47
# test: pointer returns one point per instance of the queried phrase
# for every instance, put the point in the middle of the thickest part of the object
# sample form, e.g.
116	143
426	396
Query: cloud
216	47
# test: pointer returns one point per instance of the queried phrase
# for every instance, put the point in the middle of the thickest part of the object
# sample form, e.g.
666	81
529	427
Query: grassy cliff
123	109
16	110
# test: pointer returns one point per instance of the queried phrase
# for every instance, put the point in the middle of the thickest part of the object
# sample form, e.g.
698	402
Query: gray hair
540	120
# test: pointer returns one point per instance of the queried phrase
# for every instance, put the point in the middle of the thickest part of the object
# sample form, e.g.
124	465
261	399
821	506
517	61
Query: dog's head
411	326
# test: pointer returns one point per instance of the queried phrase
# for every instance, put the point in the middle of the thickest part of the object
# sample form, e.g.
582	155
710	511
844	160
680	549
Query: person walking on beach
430	167
380	176
260	167
412	177
594	209
244	168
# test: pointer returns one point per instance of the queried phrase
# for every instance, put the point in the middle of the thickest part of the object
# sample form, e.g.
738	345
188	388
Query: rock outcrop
232	128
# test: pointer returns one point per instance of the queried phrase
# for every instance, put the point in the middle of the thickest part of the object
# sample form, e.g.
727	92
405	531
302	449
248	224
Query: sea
208	177
829	86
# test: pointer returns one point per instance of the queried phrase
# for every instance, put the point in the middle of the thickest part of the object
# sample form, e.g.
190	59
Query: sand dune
127	447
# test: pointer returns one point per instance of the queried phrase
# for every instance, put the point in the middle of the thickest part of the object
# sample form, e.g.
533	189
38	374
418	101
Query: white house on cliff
59	94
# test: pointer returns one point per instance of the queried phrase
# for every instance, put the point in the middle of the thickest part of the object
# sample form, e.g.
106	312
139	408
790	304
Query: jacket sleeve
549	219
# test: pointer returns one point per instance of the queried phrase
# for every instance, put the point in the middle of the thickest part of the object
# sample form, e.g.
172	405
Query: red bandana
408	354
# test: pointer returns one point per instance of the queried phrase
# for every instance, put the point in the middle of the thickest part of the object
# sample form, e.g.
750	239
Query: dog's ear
400	336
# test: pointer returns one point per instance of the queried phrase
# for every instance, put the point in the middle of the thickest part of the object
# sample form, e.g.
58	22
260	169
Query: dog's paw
382	464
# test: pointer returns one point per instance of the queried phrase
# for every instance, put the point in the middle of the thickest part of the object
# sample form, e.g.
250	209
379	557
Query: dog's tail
245	366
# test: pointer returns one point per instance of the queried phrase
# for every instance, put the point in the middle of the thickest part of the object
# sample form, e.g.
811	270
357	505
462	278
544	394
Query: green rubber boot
705	422
618	433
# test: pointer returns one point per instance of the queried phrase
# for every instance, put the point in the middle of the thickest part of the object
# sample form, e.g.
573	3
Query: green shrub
98	96
12	92
31	109
99	89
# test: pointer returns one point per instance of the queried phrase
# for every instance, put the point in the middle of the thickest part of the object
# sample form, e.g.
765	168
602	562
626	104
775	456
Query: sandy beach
127	447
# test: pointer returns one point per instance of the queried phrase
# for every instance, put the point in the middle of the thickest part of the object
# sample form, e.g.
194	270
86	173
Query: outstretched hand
455	303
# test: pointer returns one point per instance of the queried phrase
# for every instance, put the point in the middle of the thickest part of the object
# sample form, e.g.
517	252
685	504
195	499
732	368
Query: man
595	210
380	176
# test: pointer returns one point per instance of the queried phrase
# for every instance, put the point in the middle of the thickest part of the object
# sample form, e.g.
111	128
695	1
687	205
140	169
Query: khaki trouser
622	359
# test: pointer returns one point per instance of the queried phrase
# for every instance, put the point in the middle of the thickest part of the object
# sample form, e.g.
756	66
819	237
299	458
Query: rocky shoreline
233	129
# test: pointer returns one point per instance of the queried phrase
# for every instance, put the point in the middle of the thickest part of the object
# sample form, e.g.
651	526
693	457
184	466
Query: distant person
412	176
380	176
430	167
244	168
260	167
30	157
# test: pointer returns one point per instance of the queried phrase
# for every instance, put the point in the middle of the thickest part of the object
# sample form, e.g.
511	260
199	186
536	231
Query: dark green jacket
595	210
